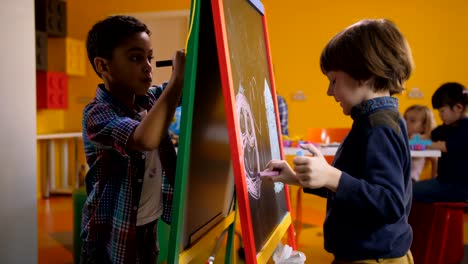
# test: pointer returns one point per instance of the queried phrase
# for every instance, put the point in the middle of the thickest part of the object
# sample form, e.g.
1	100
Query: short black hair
450	94
109	33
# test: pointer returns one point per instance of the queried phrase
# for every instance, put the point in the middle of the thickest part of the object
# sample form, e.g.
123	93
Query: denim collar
369	106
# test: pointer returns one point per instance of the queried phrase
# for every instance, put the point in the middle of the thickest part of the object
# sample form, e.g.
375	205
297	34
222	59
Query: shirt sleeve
157	90
105	127
381	192
283	114
457	142
438	134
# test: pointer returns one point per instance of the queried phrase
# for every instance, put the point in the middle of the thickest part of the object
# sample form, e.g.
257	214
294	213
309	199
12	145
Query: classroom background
36	229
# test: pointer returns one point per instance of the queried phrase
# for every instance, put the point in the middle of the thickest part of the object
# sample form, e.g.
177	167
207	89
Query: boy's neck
375	94
122	95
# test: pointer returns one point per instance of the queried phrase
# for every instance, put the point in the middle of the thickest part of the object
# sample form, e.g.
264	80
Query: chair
316	135
326	135
337	134
437	232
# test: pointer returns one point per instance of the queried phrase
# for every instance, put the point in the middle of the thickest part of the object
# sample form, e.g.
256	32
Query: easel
207	17
212	238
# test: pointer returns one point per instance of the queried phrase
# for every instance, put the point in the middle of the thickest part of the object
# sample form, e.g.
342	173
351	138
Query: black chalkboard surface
210	184
203	206
256	116
229	132
247	80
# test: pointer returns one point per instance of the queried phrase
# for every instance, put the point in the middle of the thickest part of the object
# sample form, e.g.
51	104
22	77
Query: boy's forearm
438	145
153	127
434	165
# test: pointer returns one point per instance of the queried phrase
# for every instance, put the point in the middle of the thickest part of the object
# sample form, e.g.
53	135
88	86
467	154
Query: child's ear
458	108
102	66
369	82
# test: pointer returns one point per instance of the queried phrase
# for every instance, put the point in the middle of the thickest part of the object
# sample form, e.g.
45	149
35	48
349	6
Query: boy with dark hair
131	157
451	138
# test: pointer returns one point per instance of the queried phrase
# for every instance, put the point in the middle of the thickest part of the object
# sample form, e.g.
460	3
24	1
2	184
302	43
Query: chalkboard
228	133
210	184
255	137
204	188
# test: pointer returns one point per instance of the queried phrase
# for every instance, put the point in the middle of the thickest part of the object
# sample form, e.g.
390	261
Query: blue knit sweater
367	217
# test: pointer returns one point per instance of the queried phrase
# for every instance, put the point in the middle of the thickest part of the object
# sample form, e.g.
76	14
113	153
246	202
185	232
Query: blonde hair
429	122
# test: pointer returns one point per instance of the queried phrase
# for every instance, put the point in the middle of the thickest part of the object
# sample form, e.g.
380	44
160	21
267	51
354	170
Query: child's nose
330	91
148	67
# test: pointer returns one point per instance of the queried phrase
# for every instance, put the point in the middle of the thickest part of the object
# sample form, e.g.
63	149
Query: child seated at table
420	121
451	138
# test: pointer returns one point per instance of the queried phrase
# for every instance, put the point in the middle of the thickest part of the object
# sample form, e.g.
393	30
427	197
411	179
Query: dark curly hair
109	33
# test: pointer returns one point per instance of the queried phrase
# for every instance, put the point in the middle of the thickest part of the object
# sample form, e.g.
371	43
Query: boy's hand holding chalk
315	172
309	149
165	63
274	173
300	153
268	173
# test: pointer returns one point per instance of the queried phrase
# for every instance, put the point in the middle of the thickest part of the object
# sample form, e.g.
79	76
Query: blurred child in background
420	121
451	138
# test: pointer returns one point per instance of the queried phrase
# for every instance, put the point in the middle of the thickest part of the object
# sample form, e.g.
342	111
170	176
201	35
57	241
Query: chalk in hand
268	173
300	152
164	63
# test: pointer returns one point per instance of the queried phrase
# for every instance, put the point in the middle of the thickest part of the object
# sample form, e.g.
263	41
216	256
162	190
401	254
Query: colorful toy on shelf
41	50
51	17
67	55
417	143
293	142
286	141
51	90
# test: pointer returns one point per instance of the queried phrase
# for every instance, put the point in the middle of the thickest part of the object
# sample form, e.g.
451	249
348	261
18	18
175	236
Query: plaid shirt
283	115
114	181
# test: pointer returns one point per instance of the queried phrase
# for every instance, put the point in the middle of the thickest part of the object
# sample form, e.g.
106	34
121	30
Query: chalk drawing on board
249	144
272	129
252	87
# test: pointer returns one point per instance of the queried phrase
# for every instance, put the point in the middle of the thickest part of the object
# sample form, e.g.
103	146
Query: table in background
331	151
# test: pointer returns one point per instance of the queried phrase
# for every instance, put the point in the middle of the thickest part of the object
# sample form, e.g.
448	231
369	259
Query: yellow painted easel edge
264	255
210	238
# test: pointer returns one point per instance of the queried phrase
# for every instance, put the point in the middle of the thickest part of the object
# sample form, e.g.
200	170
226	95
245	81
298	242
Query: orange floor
55	230
55	225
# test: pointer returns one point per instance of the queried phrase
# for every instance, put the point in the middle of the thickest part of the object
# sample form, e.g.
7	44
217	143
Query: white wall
18	209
